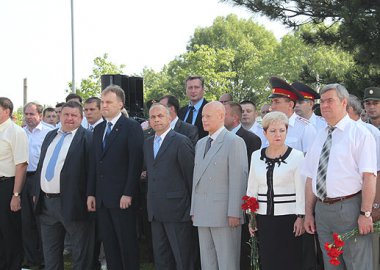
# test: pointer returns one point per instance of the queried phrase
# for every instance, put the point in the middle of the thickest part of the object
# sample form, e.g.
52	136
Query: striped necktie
322	165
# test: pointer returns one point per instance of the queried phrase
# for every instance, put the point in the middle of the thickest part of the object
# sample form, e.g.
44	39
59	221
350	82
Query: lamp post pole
72	49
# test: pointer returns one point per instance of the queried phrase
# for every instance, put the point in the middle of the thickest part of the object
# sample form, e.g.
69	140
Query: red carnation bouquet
335	249
250	206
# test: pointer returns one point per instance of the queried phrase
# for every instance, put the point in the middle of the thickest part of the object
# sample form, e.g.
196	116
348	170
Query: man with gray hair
341	181
169	158
36	132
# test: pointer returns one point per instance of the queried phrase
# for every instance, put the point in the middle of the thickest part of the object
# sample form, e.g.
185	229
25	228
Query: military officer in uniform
372	105
300	131
301	134
304	108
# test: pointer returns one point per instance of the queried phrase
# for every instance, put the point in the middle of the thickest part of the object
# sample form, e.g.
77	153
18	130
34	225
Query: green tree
350	24
238	56
91	86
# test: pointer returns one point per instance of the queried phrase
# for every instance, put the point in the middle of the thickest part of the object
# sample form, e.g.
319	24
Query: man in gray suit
219	182
169	157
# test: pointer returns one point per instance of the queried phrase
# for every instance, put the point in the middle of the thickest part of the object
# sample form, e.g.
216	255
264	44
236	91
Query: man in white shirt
36	133
341	180
13	163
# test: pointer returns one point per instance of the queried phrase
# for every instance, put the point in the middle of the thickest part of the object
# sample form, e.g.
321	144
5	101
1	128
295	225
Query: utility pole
25	91
72	49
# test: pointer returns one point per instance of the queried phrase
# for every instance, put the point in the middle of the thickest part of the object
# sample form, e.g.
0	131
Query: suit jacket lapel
216	145
74	143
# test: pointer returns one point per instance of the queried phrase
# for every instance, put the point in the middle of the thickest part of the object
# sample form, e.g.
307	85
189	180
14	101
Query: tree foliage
352	25
91	86
238	56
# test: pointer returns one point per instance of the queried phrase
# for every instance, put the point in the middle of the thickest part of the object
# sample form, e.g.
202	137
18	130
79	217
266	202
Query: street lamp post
72	49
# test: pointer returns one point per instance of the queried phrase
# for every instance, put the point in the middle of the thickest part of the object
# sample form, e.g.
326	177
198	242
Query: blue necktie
108	131
156	145
54	157
91	128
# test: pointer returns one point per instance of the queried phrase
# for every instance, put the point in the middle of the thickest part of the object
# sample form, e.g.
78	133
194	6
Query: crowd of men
83	176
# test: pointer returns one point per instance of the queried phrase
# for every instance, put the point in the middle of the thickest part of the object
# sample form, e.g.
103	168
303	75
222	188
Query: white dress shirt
173	122
352	153
13	148
113	121
258	130
53	186
35	138
376	135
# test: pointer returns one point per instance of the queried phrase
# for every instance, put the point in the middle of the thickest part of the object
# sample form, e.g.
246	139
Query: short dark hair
48	109
6	103
195	77
73	96
172	102
117	90
235	108
59	104
73	104
39	107
248	102
93	100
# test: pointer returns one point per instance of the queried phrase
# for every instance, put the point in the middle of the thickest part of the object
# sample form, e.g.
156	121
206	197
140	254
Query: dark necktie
208	146
322	165
49	174
190	116
91	128
108	131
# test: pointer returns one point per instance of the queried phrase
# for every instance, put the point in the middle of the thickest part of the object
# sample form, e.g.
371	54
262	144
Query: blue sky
36	38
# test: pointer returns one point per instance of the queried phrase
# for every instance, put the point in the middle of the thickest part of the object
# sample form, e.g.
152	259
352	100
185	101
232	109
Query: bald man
219	182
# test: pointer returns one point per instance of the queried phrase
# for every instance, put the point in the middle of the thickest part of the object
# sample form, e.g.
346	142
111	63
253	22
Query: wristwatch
16	194
366	213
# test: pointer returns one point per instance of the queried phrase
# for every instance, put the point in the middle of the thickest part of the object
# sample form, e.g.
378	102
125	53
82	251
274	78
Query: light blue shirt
197	107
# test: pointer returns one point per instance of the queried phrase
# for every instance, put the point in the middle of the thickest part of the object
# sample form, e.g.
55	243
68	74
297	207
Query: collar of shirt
342	124
72	132
163	135
197	105
48	125
96	123
174	122
114	120
292	119
235	129
216	133
4	125
39	127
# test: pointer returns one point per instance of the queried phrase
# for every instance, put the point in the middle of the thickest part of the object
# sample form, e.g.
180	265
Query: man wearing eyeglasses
372	105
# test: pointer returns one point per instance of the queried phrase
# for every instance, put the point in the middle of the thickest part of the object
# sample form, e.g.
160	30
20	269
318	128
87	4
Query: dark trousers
31	231
10	230
172	245
53	230
118	233
245	249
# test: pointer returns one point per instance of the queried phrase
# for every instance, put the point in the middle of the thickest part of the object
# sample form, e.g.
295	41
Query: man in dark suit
192	113
169	157
115	171
177	124
233	124
253	143
60	194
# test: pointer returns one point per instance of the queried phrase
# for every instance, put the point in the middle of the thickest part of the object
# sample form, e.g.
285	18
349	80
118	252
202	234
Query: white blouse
277	183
